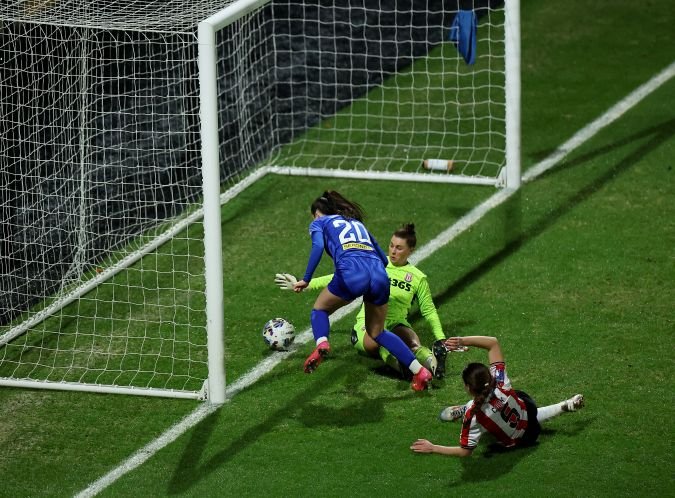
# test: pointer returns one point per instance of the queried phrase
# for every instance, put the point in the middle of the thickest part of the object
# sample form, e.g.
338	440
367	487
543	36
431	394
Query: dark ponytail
332	202
481	383
407	233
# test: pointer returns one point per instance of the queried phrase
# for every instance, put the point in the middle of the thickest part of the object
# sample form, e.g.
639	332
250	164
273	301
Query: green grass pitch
575	275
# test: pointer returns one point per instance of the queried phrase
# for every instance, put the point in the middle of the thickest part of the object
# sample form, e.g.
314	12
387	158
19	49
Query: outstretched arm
479	341
319	283
314	258
424	446
428	309
286	281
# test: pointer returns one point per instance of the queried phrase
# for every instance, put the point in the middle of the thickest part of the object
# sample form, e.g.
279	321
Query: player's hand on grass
422	446
300	285
455	344
285	281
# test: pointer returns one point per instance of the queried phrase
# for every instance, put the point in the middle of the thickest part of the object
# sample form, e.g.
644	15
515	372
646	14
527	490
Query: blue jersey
341	238
344	237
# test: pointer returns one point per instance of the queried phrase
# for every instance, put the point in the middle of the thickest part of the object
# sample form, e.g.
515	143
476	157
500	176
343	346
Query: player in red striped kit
511	416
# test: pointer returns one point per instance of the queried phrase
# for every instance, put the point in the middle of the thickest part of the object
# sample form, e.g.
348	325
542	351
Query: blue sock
396	346
320	324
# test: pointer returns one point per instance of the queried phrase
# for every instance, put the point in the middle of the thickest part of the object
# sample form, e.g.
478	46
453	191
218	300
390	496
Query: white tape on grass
422	253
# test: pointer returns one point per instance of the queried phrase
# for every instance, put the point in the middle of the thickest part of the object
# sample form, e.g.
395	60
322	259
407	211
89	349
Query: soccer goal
126	125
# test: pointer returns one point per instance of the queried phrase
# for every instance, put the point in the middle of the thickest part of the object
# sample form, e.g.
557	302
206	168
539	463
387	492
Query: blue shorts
355	277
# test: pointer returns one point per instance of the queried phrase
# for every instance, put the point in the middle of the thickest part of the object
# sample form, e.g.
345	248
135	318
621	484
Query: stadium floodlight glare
126	125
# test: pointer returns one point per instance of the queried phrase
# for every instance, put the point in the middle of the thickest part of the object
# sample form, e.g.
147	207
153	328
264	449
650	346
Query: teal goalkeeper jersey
407	285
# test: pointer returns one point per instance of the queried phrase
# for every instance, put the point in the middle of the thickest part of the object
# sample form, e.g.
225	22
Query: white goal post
126	125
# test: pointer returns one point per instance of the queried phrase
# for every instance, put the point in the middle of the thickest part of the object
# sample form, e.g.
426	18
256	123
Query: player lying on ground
359	262
407	285
512	417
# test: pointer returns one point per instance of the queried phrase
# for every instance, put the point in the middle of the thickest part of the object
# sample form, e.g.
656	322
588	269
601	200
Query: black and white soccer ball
279	334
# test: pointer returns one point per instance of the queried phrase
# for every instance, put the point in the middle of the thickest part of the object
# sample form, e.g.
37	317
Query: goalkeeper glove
285	281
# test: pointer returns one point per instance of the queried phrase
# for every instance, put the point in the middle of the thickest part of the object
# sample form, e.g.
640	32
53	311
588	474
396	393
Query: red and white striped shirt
503	414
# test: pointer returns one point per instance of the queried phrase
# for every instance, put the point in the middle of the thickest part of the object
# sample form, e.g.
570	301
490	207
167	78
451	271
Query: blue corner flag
463	34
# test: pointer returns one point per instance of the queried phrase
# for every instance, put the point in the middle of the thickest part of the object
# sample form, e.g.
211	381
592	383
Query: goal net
382	92
102	273
126	124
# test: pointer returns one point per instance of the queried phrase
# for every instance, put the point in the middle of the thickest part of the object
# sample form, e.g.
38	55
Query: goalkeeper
407	286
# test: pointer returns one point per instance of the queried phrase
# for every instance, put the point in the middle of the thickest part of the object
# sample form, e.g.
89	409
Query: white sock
548	412
321	339
415	366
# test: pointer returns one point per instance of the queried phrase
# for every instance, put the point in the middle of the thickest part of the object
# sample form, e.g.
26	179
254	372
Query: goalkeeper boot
440	353
314	360
452	413
421	379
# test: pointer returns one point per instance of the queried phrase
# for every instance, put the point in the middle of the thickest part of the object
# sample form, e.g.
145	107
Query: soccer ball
279	334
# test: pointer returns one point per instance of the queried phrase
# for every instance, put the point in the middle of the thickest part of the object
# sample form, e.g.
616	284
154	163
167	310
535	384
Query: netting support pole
213	259
512	41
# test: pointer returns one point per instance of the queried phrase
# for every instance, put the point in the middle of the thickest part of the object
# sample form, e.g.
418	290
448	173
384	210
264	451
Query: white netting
101	239
100	155
166	16
382	88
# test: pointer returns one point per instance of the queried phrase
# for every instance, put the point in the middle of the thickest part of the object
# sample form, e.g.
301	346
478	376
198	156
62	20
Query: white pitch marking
204	410
614	113
421	254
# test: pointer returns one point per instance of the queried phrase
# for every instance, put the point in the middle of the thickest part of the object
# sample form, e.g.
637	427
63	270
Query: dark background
133	158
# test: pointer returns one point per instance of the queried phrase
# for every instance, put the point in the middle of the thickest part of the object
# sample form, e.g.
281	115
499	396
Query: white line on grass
614	113
143	454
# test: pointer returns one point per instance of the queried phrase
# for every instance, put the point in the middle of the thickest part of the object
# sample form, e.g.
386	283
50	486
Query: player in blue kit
360	263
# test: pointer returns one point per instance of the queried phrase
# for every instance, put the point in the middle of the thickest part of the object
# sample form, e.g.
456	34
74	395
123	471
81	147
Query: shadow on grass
496	460
364	410
455	328
190	469
572	428
493	463
515	236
